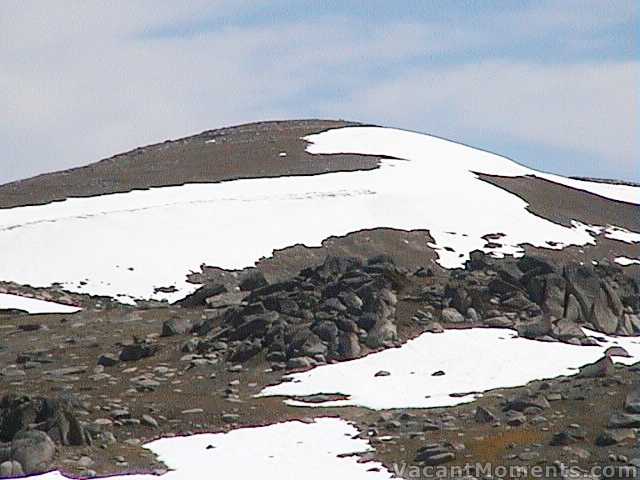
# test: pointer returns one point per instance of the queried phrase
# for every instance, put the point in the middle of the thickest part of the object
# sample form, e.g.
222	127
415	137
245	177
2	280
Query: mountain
137	225
314	299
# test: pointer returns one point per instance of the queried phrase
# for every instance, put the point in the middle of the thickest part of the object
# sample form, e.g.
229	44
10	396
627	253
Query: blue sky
553	85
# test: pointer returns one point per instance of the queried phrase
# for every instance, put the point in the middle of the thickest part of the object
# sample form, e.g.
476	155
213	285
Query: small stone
149	421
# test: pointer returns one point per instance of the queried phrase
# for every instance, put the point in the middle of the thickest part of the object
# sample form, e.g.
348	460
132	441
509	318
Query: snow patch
473	360
33	305
625	261
289	450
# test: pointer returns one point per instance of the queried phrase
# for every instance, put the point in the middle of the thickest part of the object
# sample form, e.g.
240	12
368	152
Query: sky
550	84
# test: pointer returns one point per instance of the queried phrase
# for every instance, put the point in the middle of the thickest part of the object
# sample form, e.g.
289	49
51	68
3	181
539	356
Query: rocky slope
82	392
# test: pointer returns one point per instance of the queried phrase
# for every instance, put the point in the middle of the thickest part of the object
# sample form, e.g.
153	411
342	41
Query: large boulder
55	416
199	297
33	450
599	303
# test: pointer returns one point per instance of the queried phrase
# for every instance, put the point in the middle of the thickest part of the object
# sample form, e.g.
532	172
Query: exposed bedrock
346	306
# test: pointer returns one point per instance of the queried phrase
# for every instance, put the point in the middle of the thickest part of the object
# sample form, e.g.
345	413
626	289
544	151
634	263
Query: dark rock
245	351
108	360
252	280
176	326
199	297
522	403
348	346
484	415
632	401
614	437
435	454
56	417
326	330
137	351
624	420
515	418
540	265
351	300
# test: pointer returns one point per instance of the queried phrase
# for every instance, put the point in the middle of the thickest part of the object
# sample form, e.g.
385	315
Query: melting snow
163	233
33	305
474	360
289	450
624	261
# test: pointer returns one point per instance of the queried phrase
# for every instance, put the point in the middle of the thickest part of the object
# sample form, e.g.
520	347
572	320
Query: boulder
11	468
451	315
614	437
632	401
599	303
602	368
55	416
33	450
383	331
252	280
199	297
137	351
484	415
176	326
348	346
624	420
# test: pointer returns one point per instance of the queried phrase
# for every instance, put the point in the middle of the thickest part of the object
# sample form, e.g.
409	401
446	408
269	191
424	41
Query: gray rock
614	437
484	415
498	322
434	327
149	421
34	450
176	326
624	420
348	346
230	418
632	401
515	418
10	468
602	368
382	332
299	363
451	315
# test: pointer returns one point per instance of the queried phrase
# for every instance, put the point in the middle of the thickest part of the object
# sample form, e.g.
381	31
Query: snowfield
287	451
125	245
473	361
33	305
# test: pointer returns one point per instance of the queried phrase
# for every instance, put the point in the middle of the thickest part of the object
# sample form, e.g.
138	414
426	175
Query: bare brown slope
245	151
561	204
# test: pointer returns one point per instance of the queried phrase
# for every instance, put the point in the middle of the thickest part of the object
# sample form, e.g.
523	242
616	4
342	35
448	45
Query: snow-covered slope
125	245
